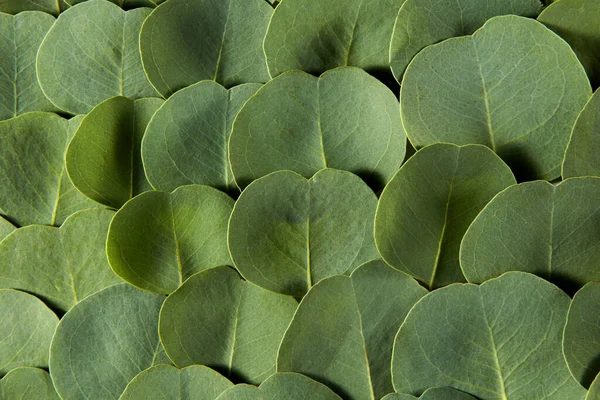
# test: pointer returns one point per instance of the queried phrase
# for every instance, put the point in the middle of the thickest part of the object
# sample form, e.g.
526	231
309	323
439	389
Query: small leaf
21	383
438	393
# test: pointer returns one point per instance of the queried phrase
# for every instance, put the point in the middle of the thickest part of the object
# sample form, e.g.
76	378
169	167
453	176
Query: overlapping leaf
124	3
443	393
580	157
27	383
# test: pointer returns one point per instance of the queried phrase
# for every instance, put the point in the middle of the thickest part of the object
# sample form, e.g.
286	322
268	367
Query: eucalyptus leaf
159	239
90	54
21	36
286	233
217	319
426	208
594	392
5	228
437	393
103	159
186	141
104	342
59	265
581	155
500	340
165	382
27	383
186	41
513	85
344	329
126	4
16	6
26	331
345	119
548	230
421	23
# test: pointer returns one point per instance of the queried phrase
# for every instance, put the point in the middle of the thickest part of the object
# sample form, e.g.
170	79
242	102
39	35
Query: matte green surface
5	228
581	155
27	383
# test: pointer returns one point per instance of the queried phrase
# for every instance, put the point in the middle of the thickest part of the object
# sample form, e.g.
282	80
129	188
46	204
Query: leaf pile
299	200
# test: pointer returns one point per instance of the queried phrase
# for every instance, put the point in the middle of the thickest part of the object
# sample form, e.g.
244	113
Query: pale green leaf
437	393
16	6
27	383
5	228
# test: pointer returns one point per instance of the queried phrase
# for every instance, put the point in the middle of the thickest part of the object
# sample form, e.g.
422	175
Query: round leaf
27	383
513	85
159	239
346	119
187	41
344	328
500	340
91	54
286	233
59	265
26	331
186	141
438	393
5	228
104	342
103	159
426	208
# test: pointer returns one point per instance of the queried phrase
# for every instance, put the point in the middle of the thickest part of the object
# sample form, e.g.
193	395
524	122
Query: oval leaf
438	393
159	239
217	319
513	85
21	383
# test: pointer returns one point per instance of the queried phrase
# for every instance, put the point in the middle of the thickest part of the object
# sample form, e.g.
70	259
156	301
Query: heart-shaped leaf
187	41
513	85
217	319
71	259
5	228
91	54
159	239
344	328
186	141
500	340
53	7
287	233
438	393
346	119
426	208
103	159
22	383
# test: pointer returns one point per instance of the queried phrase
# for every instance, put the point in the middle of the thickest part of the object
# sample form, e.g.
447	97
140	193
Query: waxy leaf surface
581	155
437	393
27	383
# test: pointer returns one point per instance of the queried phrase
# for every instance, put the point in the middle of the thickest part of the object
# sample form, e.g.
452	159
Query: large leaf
576	21
27	383
287	233
346	119
344	329
59	265
5	228
103	159
217	319
513	85
53	7
438	393
581	155
187	41
186	141
35	186
92	53
159	239
500	340
26	331
164	382
21	36
421	23
426	208
104	342
313	36
550	231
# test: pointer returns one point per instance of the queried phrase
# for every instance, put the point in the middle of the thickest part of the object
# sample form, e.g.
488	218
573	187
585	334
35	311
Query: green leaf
187	41
104	342
159	239
27	383
344	329
500	340
165	382
426	208
217	319
536	227
313	36
421	23
346	119
35	186
580	157
576	21
20	91
287	233
5	228
103	159
127	4
59	265
285	385
594	392
513	85
16	6
438	393
186	141
26	331
91	54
